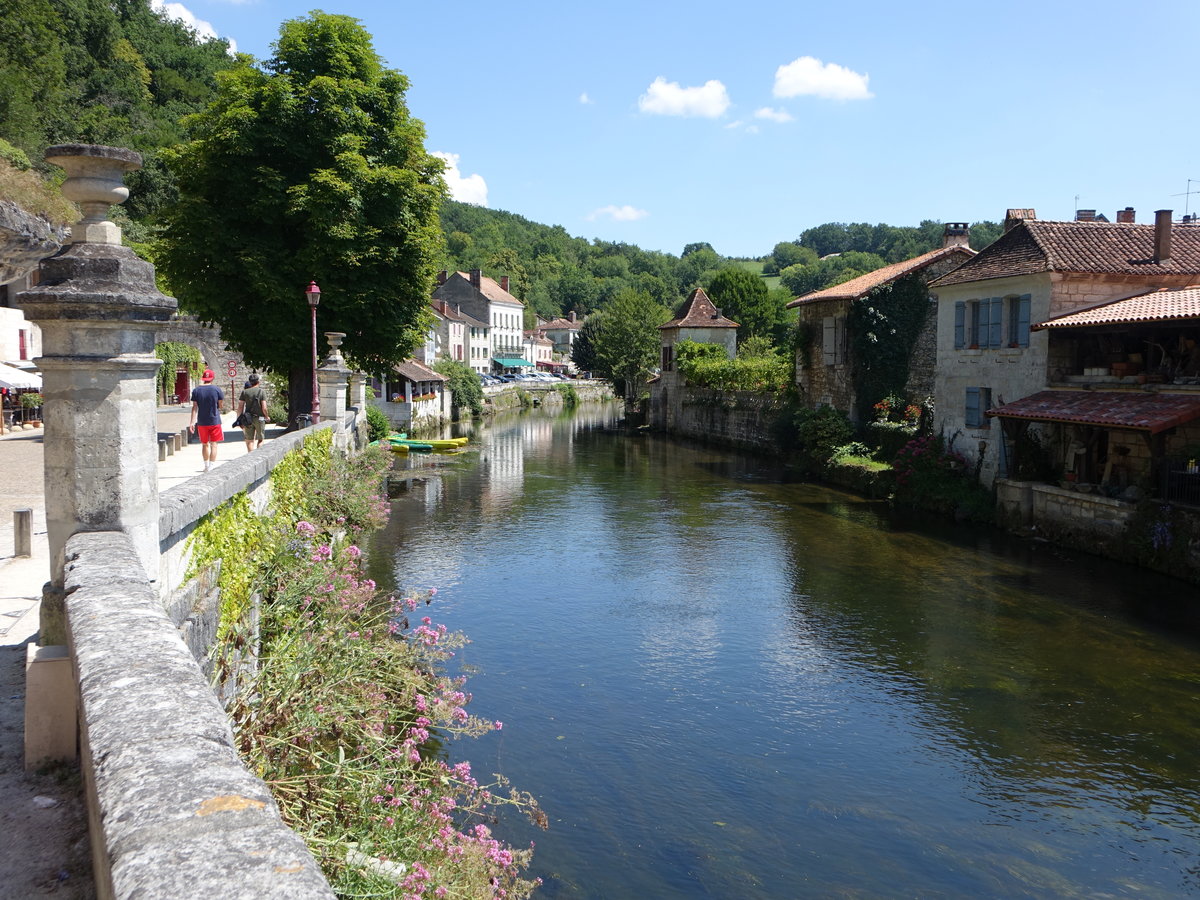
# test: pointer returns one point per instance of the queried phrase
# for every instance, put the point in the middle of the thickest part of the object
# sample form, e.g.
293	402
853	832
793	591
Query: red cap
208	375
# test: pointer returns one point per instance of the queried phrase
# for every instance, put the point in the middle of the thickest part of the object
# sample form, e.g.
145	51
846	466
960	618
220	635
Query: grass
34	195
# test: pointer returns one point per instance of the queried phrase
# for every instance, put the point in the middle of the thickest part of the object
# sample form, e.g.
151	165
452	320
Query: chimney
718	313
441	277
1162	235
956	234
476	278
1126	216
504	283
1015	217
1085	215
571	316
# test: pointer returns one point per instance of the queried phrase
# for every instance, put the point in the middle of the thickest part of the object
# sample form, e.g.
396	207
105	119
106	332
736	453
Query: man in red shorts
206	418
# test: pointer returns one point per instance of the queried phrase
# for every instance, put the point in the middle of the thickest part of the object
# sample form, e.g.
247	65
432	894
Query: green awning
509	363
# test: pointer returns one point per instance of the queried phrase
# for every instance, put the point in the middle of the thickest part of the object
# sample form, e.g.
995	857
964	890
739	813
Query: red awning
1139	410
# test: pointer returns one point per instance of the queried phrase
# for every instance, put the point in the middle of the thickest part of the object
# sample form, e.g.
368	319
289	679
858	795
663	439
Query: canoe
410	447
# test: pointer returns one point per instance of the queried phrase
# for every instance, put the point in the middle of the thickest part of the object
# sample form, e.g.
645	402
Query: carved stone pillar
98	308
333	377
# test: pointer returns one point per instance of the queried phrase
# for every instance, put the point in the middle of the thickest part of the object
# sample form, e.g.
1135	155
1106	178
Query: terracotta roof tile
415	371
1152	412
561	324
700	313
1080	247
864	284
1154	306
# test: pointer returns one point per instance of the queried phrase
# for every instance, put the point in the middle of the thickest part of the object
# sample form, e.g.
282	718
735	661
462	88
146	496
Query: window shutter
995	335
1023	305
828	337
960	324
972	411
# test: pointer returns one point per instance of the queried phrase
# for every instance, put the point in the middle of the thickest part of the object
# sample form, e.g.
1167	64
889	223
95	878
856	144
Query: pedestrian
253	403
206	417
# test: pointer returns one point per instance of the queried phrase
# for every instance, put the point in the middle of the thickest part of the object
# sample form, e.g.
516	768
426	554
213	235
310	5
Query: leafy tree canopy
743	296
310	168
627	343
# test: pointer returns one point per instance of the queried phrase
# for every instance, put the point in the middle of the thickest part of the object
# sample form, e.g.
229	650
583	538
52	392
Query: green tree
464	385
583	348
743	296
310	170
628	342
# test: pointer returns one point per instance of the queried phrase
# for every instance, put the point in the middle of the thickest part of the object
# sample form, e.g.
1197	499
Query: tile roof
864	284
1139	410
1155	306
1080	247
699	312
561	324
415	371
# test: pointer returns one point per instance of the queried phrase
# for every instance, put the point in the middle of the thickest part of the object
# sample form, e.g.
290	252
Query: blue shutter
972	412
995	337
960	324
1023	304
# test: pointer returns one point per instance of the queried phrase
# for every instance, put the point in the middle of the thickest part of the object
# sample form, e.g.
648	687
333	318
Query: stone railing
172	810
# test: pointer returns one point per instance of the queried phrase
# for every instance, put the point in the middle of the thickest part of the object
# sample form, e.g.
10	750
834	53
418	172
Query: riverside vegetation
348	710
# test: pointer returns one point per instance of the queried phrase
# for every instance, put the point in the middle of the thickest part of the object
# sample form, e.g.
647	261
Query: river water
722	684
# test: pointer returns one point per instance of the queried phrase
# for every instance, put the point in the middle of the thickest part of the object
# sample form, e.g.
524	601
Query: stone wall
1082	521
740	419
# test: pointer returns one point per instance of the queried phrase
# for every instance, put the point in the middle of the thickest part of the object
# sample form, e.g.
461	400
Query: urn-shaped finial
95	180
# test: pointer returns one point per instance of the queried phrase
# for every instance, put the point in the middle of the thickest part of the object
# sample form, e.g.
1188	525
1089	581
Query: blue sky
742	124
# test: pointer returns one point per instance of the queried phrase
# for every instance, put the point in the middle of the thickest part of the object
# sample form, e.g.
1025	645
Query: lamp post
313	293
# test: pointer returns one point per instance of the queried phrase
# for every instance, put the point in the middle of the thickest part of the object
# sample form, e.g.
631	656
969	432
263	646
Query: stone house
490	303
563	332
701	322
989	354
826	367
413	395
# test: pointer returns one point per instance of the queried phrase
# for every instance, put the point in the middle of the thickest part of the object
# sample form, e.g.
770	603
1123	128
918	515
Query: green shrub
819	432
931	476
888	438
377	423
464	385
569	394
707	365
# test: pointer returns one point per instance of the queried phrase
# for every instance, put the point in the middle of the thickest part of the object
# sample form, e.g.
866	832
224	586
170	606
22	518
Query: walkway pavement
44	849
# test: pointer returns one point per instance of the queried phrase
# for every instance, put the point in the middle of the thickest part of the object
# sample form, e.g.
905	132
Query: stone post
333	378
358	391
98	308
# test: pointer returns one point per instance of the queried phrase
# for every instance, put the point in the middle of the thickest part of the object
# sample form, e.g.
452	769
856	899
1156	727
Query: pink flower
498	725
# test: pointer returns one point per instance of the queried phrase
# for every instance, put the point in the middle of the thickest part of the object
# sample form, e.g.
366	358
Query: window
668	357
985	322
979	401
833	339
1018	321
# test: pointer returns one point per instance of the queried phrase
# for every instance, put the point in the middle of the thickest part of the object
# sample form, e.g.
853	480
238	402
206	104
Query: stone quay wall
742	419
1083	521
173	812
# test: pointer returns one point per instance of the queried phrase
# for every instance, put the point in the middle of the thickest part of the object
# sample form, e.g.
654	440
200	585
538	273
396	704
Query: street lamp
313	293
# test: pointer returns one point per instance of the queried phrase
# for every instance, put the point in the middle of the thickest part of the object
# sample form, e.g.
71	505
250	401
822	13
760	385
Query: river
722	683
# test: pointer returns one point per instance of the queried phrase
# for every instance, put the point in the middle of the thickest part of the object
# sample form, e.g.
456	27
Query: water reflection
723	684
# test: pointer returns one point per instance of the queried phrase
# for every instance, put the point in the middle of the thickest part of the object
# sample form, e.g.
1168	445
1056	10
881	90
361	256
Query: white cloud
667	98
204	30
775	115
585	99
809	76
735	124
470	189
618	213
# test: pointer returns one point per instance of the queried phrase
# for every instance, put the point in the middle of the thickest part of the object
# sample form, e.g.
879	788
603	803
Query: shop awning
510	362
19	380
1137	410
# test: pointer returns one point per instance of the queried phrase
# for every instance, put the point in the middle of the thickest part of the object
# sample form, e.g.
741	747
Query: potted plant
31	407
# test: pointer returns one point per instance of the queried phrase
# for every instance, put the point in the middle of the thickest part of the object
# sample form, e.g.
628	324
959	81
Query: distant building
490	303
702	323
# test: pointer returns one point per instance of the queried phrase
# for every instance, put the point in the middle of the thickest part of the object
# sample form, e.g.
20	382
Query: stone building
995	316
702	323
825	368
488	302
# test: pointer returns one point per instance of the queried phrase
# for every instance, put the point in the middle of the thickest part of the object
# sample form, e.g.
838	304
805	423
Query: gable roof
561	324
1079	247
487	287
699	312
864	284
1153	306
